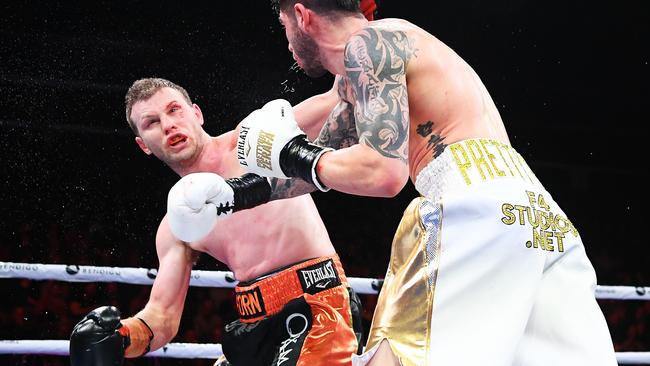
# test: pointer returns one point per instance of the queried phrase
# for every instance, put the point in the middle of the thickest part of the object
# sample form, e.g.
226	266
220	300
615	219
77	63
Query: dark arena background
570	80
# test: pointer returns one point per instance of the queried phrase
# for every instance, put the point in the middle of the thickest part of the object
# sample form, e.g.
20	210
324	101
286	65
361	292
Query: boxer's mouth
176	140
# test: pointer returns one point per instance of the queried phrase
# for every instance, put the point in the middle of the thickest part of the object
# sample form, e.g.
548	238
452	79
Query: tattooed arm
370	135
375	62
318	113
338	132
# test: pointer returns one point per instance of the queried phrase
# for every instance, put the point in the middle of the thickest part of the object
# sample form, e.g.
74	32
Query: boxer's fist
271	144
263	135
97	341
195	203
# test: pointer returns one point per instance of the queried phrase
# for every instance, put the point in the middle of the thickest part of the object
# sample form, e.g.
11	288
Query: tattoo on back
375	63
435	142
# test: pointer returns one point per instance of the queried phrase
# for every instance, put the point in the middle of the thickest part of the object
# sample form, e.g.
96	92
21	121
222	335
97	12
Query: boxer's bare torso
259	240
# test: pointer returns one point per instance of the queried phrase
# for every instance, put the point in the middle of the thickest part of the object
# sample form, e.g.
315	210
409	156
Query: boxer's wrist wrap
249	190
139	334
298	159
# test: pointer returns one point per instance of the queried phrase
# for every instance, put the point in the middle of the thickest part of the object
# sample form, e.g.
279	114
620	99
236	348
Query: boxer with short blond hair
285	311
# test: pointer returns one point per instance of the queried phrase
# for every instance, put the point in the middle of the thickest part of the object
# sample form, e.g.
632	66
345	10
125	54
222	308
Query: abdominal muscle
257	241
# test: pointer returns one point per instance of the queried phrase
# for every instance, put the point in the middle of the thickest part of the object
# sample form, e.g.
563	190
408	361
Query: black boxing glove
101	339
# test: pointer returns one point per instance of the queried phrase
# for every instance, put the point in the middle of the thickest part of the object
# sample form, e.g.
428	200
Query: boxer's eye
150	122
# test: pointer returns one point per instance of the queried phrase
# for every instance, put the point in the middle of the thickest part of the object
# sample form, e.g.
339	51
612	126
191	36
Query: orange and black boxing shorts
297	316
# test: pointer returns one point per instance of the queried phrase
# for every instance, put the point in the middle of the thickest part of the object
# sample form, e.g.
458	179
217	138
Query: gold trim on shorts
404	307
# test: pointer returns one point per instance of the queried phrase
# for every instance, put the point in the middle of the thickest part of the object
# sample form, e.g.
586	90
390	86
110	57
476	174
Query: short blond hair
143	89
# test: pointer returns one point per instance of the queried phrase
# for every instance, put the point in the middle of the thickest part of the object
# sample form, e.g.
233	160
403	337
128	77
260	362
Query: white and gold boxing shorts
486	269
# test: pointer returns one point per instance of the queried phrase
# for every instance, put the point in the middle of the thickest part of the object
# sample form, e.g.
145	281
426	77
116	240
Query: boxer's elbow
390	177
363	171
395	188
393	184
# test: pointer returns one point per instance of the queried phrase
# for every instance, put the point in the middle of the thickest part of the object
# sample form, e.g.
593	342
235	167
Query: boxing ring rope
145	276
62	347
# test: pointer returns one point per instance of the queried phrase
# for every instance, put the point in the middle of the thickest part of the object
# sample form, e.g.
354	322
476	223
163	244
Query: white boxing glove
198	200
271	144
195	202
262	136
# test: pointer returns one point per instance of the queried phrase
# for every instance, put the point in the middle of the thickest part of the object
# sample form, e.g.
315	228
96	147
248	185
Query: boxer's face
303	47
169	127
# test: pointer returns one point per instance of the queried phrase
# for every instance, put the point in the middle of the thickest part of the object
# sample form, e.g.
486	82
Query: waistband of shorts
266	296
471	162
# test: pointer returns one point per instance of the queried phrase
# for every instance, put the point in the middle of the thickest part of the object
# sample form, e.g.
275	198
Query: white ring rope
62	348
139	276
144	276
203	351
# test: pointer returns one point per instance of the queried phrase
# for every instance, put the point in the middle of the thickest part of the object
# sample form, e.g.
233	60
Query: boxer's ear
143	146
197	111
303	16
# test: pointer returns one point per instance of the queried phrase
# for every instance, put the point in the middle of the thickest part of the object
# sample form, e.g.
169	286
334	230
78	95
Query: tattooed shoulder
375	62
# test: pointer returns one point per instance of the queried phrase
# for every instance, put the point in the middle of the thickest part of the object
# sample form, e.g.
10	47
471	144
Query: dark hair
143	89
319	6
